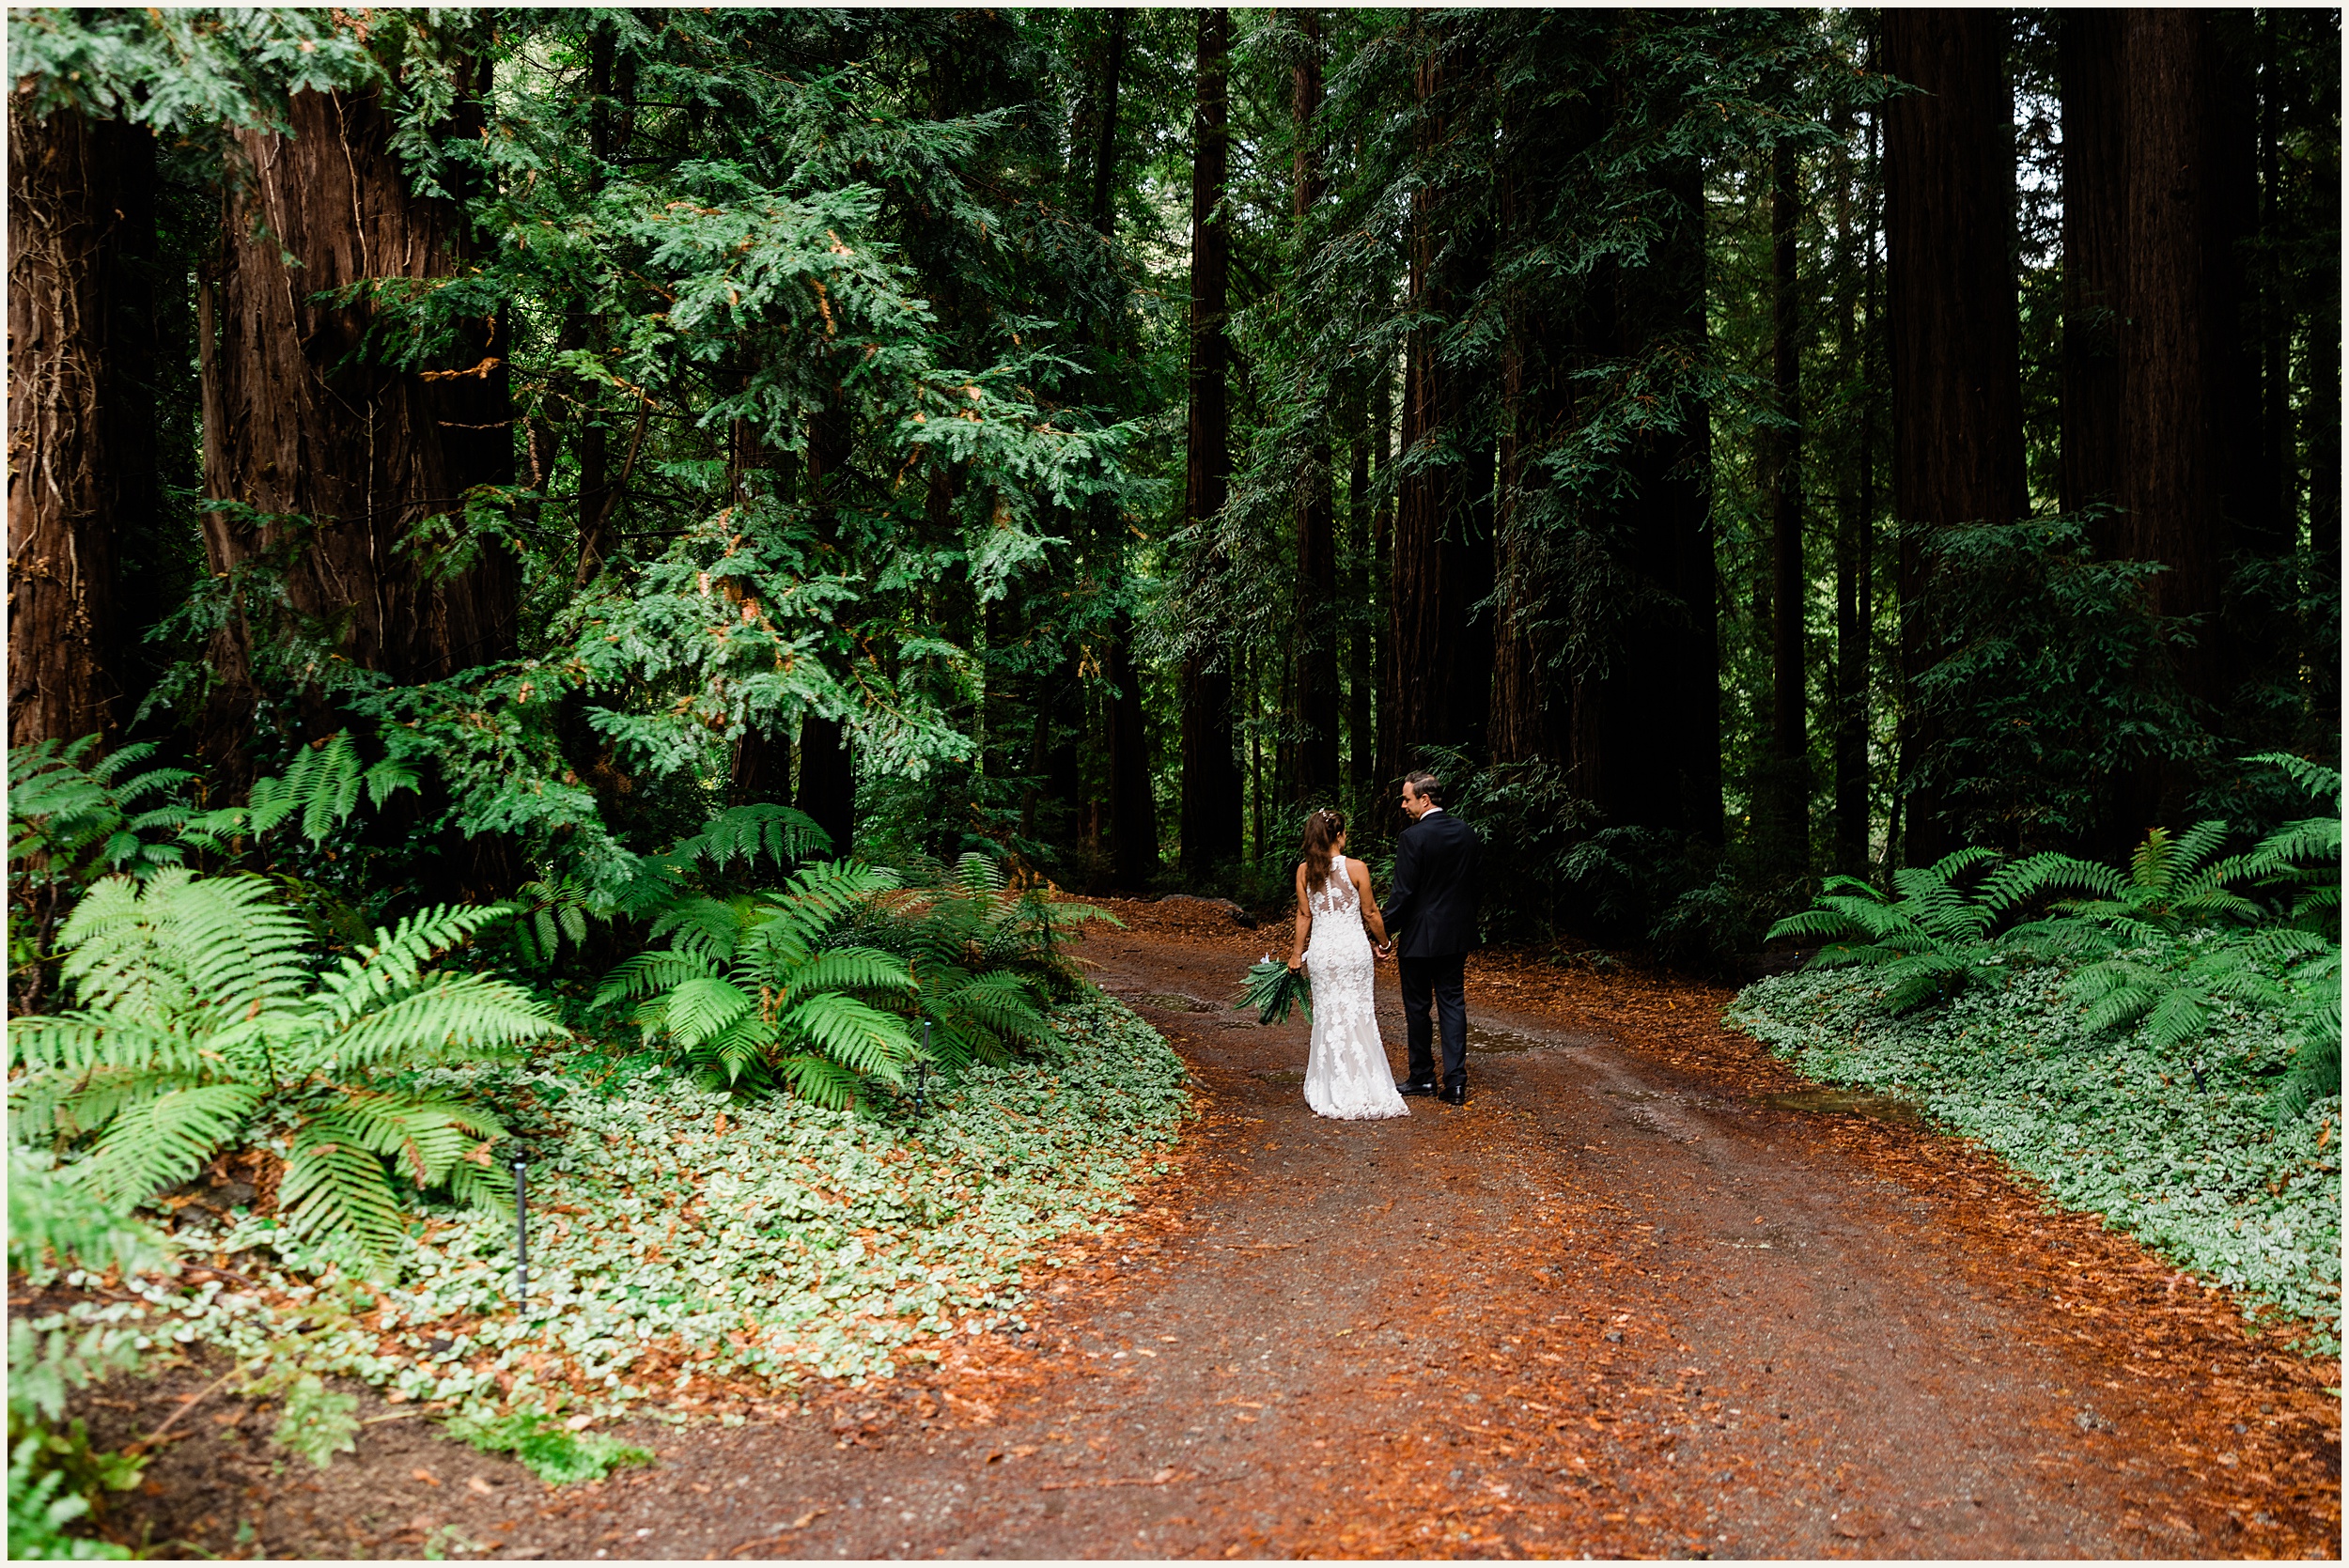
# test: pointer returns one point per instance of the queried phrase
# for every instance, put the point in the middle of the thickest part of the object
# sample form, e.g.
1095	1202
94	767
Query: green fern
204	1021
320	788
1929	939
73	820
755	990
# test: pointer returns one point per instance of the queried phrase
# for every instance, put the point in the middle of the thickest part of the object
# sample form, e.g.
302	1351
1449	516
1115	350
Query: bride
1347	1076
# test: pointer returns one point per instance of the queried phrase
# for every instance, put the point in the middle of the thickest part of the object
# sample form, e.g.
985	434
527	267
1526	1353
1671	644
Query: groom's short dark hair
1426	785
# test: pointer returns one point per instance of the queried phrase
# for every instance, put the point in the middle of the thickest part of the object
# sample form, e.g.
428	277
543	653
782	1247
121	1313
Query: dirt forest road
1621	1303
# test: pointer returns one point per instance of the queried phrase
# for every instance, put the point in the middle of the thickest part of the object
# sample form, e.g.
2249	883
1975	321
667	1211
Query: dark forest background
1731	447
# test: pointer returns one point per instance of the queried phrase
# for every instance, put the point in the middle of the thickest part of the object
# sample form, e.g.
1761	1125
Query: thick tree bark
1132	806
1855	537
1316	618
1787	790
81	408
1957	414
298	424
2176	346
1425	642
827	764
1361	745
2095	247
2321	413
1379	606
1211	777
1522	724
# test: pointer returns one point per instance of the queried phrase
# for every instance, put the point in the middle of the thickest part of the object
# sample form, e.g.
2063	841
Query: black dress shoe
1453	1094
1412	1086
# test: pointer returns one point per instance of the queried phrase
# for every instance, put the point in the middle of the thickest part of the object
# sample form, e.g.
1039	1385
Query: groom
1431	912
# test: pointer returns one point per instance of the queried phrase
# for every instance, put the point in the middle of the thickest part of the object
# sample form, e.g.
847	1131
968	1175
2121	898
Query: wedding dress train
1347	1076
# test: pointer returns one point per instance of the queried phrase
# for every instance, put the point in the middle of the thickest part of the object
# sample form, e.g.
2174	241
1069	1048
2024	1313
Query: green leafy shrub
748	987
553	1453
55	1223
986	957
80	819
204	1021
1931	936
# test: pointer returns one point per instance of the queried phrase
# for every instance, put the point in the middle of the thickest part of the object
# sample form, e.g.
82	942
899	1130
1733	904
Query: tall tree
827	782
1134	808
1361	745
2095	243
1957	414
1211	785
1787	789
2177	345
1316	637
81	408
1424	643
335	467
1856	504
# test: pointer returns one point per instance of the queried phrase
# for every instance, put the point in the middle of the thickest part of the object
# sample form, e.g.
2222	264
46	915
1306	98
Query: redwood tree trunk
1211	774
1787	791
1132	806
2095	245
2176	344
298	425
81	408
1421	645
1521	724
1957	402
1360	752
1318	694
1854	538
826	768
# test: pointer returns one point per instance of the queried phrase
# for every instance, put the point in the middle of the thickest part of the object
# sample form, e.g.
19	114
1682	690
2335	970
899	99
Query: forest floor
1646	1293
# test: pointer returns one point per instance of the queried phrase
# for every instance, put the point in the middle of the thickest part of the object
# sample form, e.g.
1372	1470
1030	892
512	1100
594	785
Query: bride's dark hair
1323	829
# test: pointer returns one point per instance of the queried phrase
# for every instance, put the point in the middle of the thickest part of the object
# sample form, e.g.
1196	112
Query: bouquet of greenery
1271	987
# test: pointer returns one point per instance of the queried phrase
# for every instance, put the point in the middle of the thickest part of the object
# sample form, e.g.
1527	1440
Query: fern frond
747	832
649	973
847	969
2318	780
450	1018
396	962
859	1037
334	1184
702	1007
163	1142
814	1078
2036	875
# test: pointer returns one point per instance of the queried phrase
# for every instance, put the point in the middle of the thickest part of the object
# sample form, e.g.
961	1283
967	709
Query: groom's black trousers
1437	979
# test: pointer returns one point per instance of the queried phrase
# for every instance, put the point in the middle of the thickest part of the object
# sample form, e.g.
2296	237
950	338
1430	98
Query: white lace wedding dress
1347	1076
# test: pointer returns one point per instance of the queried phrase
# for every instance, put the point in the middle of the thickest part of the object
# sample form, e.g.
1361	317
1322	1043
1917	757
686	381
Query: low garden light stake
521	1236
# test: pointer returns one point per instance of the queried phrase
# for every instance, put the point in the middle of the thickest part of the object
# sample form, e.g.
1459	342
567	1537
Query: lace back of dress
1337	896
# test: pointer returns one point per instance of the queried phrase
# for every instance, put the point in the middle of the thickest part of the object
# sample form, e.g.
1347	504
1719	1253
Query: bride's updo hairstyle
1323	829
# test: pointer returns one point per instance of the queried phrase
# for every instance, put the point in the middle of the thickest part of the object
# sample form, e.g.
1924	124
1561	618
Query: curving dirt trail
1618	1304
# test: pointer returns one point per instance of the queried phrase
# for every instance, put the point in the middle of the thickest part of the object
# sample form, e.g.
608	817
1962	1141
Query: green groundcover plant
2176	1144
686	1238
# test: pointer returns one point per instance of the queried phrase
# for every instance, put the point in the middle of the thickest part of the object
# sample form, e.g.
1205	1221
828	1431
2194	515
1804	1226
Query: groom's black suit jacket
1431	909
